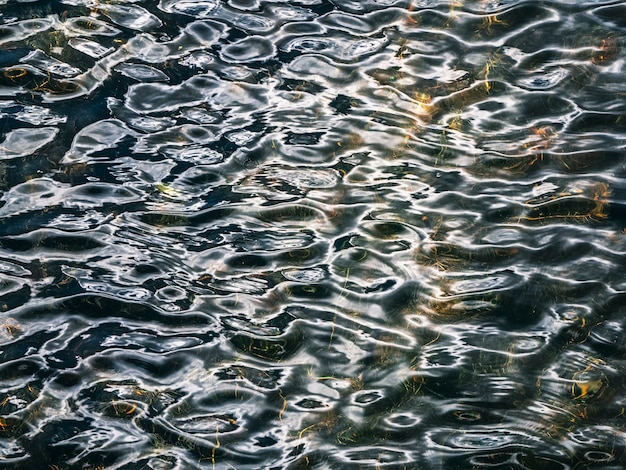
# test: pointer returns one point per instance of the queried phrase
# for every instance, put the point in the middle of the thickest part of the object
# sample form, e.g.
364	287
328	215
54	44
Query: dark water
312	234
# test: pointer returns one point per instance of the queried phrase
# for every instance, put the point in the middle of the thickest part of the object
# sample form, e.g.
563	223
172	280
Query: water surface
312	234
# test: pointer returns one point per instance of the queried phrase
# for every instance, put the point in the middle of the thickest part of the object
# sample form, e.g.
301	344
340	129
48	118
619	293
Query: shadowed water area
324	234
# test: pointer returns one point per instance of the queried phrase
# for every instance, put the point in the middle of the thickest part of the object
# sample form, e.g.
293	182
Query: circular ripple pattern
312	234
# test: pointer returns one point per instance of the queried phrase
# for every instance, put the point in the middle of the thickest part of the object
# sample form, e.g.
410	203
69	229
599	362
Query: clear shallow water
369	234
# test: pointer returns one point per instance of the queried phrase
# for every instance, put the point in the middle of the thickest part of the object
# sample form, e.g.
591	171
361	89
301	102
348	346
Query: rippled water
312	234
